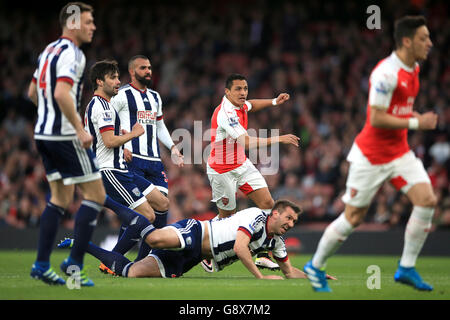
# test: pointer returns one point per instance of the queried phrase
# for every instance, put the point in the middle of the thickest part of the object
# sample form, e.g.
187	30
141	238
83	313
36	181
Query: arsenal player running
381	153
228	168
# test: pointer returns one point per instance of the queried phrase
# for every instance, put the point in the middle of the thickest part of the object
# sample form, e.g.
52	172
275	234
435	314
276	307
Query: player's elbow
375	119
58	95
109	142
239	250
32	94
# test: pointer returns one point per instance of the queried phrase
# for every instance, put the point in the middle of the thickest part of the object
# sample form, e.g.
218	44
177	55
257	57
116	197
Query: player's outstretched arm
259	104
112	141
379	118
291	272
243	252
249	142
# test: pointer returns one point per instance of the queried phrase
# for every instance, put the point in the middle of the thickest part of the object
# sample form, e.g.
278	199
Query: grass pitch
233	283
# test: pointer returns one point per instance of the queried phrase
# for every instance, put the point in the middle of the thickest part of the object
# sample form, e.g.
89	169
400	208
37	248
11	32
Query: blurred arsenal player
381	153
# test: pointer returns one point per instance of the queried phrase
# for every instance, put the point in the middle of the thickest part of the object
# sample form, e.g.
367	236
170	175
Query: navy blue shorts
68	160
174	263
126	188
153	171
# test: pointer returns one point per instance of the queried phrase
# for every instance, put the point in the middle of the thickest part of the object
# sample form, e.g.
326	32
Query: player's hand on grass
290	139
282	98
331	277
272	277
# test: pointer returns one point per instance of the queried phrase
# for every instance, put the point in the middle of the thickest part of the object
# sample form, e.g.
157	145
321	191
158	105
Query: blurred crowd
320	52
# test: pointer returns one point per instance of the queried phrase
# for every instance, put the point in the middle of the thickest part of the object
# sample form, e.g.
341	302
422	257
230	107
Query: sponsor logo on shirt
146	117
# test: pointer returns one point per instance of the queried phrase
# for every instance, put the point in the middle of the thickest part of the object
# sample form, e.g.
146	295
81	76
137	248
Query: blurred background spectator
320	52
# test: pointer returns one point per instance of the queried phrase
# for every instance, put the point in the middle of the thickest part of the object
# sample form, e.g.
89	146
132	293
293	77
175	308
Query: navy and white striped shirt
143	106
61	60
100	117
253	222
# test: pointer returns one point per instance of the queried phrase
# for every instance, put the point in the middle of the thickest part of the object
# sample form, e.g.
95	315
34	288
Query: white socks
416	233
335	234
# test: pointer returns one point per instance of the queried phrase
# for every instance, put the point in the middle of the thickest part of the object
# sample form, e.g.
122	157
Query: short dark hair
281	205
64	14
102	68
406	27
231	78
134	58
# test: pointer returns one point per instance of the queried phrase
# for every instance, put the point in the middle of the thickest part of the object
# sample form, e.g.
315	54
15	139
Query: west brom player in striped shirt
64	145
103	123
137	103
180	246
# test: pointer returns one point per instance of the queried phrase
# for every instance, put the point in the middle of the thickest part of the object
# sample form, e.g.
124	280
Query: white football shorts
225	185
364	179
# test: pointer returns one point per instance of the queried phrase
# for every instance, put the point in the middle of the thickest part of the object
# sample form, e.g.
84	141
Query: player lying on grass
180	246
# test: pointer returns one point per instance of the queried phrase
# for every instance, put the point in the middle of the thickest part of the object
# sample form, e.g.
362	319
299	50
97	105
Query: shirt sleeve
229	121
249	105
35	76
66	69
103	119
382	86
279	251
159	114
253	224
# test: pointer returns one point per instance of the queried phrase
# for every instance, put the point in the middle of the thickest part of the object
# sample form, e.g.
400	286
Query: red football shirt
393	86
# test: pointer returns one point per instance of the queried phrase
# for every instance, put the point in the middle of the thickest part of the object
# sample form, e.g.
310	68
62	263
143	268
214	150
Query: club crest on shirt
225	201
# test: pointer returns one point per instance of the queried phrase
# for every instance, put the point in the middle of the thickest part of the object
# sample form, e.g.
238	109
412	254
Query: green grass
235	282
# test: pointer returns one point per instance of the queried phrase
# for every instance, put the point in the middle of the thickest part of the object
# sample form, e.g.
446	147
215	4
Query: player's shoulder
98	103
226	109
124	88
386	72
153	92
155	95
121	94
253	213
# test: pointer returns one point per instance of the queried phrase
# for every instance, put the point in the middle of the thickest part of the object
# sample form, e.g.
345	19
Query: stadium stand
320	52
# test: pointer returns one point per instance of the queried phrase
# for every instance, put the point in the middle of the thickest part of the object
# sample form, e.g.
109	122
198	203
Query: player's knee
149	214
153	239
162	205
429	201
355	216
96	193
61	201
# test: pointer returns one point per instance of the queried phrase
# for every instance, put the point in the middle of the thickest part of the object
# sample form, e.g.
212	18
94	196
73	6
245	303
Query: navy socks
47	232
85	222
139	228
160	222
113	260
